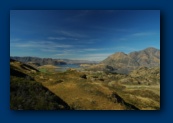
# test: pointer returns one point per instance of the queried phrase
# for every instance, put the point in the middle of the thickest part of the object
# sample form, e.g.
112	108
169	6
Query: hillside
97	90
27	94
96	87
83	90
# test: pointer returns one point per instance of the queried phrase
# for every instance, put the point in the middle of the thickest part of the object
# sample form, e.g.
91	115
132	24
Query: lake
63	68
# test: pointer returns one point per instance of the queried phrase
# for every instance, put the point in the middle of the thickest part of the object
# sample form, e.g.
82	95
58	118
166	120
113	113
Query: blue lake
63	68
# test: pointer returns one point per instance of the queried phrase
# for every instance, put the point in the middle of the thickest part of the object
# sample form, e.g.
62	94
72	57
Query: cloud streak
61	38
88	56
95	56
71	34
57	38
39	44
143	33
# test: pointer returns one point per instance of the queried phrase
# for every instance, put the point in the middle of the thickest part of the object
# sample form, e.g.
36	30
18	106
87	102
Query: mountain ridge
49	61
149	54
124	63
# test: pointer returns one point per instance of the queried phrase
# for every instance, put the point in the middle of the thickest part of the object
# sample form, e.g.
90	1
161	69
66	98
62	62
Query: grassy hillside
27	94
83	90
89	90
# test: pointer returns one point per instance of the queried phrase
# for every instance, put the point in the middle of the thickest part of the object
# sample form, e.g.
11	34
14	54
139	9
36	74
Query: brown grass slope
27	94
98	90
95	91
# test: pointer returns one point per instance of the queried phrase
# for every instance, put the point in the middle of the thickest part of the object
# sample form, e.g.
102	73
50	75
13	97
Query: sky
82	34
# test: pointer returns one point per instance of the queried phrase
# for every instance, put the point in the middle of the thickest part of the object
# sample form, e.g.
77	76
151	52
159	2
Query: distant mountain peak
149	57
151	49
120	53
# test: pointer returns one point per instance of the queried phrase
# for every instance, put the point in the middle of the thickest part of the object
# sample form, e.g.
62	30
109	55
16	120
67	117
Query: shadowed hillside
27	94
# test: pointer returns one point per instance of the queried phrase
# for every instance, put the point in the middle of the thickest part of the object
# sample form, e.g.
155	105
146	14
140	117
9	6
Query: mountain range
148	57
117	62
38	61
49	61
124	63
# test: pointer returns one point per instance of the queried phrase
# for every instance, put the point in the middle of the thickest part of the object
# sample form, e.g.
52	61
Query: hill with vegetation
95	87
27	94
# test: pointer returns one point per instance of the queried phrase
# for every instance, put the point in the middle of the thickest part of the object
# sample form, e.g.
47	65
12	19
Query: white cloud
57	38
84	50
61	38
95	56
49	50
91	49
98	54
44	46
71	34
75	56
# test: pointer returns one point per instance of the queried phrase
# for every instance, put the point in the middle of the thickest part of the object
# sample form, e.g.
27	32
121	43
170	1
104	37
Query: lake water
63	68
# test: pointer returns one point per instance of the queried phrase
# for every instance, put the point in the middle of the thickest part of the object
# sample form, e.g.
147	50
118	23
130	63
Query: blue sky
82	34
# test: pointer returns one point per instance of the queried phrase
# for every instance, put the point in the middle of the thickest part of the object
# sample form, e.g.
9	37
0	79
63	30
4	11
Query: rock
101	79
83	76
59	81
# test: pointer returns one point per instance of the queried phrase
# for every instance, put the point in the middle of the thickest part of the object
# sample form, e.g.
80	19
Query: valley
95	86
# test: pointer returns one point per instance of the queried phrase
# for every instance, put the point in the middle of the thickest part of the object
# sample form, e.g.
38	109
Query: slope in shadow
118	99
31	95
27	94
16	73
25	66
